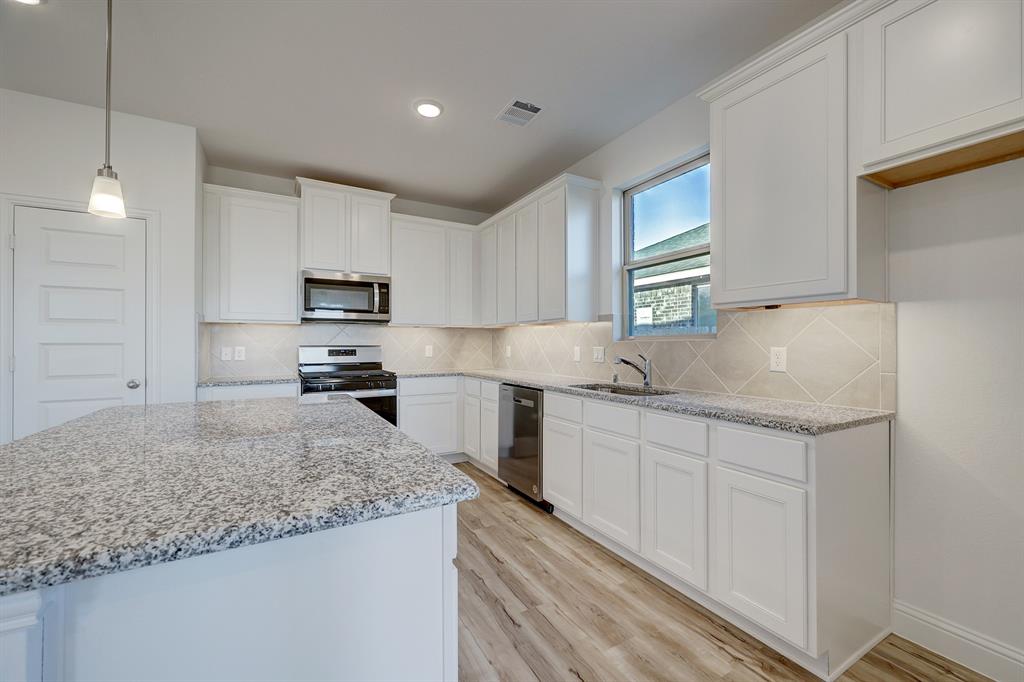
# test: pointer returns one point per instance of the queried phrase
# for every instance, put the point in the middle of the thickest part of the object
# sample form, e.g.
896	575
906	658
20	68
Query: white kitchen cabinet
489	275
611	486
471	426
551	255
779	182
526	263
939	74
563	465
432	419
761	556
251	244
489	428
419	285
675	522
462	277
506	270
246	392
345	229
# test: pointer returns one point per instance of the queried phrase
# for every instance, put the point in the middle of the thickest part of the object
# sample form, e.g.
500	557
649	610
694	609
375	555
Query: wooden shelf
978	155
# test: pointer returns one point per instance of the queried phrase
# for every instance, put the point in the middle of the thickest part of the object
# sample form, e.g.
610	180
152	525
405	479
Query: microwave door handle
376	297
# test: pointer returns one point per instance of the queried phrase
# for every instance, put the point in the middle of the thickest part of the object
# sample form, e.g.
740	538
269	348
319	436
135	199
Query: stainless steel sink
622	389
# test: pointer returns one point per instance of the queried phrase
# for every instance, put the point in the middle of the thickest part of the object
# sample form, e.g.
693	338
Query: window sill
672	337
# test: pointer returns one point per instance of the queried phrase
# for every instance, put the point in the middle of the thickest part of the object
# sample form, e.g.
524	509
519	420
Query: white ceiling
325	88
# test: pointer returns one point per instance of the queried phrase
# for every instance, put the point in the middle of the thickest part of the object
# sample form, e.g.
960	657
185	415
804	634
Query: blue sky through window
673	207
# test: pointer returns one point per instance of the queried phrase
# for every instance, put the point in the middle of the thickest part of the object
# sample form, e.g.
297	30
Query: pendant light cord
110	22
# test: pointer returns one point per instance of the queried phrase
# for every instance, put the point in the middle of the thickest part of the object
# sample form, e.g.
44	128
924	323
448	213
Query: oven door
344	297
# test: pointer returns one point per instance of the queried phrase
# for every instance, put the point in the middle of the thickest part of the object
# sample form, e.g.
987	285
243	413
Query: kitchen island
228	540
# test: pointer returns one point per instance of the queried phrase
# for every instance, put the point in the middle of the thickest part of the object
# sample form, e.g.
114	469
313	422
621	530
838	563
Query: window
667	273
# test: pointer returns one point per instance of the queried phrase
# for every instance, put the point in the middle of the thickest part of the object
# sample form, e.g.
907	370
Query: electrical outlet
428	351
598	353
777	359
576	353
225	353
239	352
508	351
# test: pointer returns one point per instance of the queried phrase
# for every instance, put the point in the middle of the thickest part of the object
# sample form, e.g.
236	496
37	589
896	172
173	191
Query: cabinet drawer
773	455
624	421
472	386
569	409
489	390
675	433
428	385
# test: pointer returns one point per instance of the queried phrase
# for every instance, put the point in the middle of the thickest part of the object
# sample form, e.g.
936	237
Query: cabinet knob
133	383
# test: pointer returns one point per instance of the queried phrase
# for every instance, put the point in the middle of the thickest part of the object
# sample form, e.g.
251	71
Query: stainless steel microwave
345	297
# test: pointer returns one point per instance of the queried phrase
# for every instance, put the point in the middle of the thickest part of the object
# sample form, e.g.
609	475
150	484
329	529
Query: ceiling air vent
519	113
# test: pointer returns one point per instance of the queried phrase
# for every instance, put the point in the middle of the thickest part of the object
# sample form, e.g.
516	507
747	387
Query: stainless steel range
330	372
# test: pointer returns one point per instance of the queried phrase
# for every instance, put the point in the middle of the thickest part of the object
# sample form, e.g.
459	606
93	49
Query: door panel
471	427
325	229
489	275
526	263
611	486
675	527
419	286
79	315
551	255
506	270
563	465
433	420
371	235
489	434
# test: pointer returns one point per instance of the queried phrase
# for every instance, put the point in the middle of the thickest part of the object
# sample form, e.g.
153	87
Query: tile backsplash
838	355
271	349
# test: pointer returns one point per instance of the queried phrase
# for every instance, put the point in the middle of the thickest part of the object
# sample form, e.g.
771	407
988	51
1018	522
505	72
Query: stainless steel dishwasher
520	440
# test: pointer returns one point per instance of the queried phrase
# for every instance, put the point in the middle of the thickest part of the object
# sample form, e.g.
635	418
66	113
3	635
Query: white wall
676	134
956	259
230	177
51	149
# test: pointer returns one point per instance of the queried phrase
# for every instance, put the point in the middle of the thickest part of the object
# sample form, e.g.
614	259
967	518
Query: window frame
628	264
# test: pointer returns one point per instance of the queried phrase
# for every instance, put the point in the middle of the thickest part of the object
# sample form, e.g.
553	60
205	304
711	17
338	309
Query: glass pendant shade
106	200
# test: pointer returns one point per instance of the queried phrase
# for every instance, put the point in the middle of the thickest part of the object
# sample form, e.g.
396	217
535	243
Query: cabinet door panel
433	420
526	263
563	465
611	487
461	278
489	275
325	229
370	226
420	282
778	226
551	255
938	70
489	434
762	552
507	270
471	427
675	523
259	274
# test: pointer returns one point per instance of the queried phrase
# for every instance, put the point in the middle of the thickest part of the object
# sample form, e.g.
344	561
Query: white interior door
79	315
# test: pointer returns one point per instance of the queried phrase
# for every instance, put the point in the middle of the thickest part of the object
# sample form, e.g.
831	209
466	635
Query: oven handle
382	393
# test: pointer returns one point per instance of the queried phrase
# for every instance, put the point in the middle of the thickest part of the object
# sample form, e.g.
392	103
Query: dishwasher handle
522	401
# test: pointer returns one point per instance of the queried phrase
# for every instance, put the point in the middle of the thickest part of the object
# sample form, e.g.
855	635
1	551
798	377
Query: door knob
133	383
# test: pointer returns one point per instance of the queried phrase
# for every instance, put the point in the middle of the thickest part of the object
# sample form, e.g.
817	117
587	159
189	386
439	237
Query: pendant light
106	200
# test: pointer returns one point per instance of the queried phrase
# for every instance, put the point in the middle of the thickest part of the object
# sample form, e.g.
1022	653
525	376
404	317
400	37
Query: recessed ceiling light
428	108
31	2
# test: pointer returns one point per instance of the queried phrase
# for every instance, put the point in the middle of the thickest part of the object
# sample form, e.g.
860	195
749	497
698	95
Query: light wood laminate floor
540	601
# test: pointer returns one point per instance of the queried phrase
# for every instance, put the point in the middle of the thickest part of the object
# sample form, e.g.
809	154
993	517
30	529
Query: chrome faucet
645	372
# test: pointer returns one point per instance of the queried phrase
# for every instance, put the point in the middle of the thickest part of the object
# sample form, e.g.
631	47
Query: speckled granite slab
246	381
127	487
810	419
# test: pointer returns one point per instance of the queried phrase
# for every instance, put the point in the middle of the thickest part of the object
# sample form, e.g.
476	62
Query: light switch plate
576	353
598	353
777	359
225	353
239	352
428	351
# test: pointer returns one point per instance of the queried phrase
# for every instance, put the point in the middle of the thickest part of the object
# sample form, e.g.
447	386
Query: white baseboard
979	652
455	458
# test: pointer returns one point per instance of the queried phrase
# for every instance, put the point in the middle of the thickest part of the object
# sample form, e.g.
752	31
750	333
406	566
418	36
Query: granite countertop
809	419
247	381
127	487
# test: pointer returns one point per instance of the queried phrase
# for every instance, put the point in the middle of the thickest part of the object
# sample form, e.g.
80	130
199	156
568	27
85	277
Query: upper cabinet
251	256
505	270
526	263
488	275
941	76
345	229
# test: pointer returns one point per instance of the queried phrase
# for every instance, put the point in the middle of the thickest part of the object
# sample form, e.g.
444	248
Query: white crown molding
977	651
335	187
836	21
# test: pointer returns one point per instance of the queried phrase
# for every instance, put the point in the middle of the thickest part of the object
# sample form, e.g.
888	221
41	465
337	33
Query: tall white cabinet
345	229
251	263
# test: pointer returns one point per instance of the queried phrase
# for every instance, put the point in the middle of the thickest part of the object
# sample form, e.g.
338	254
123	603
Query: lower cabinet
489	433
432	420
611	486
761	556
675	522
471	427
563	461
